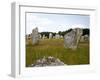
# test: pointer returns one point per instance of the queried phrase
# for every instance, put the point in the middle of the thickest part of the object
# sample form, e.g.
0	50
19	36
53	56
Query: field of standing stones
55	49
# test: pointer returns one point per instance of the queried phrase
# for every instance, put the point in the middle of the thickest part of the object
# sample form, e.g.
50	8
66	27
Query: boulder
49	61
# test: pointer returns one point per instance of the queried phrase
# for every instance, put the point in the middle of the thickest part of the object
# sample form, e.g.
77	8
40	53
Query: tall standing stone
72	38
35	36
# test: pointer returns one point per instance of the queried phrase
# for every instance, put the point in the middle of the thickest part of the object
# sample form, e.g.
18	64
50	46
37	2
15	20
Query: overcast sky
55	22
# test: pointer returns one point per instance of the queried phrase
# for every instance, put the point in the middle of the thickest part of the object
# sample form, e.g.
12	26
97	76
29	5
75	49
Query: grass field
55	48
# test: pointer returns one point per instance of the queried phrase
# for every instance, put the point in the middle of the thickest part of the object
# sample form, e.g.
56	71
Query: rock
59	62
82	39
43	37
31	65
61	37
72	38
38	61
50	36
35	36
49	61
40	36
57	36
86	37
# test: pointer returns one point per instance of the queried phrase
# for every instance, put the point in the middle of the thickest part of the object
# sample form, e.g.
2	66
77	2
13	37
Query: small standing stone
43	37
40	36
82	39
57	36
61	37
86	37
50	36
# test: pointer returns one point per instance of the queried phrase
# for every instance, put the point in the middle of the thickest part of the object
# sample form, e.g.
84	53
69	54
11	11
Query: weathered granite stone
57	36
82	39
35	36
50	36
49	61
40	36
86	37
72	38
61	37
43	37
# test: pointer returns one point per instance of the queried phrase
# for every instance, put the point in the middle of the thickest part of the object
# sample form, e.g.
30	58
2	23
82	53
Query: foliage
85	31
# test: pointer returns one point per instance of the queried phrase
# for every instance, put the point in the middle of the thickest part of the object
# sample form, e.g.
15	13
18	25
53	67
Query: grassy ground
55	48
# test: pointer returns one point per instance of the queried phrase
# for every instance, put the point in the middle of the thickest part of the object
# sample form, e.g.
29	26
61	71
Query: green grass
55	48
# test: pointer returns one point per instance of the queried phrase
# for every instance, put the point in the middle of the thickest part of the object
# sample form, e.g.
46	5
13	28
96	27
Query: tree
86	31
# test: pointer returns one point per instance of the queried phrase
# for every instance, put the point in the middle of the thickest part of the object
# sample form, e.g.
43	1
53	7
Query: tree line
85	31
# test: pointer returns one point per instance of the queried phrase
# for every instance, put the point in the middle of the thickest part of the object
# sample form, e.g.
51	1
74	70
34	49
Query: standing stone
53	37
86	37
28	39
35	36
43	37
61	37
50	36
72	38
57	36
82	39
40	36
